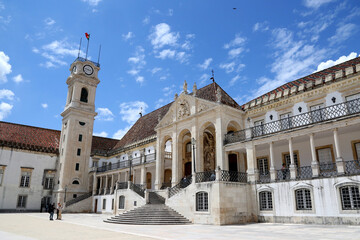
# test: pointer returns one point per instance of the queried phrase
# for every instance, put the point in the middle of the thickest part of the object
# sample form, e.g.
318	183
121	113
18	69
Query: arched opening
84	95
121	202
167	177
209	148
148	180
75	182
233	163
232	127
184	154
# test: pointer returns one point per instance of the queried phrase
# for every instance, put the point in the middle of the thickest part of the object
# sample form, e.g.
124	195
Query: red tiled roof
312	77
101	144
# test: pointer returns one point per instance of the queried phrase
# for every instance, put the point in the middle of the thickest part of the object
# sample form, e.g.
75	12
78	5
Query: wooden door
188	169
95	208
148	180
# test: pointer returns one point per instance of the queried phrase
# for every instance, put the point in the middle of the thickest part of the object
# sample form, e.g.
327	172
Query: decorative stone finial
194	89
185	87
176	96
218	95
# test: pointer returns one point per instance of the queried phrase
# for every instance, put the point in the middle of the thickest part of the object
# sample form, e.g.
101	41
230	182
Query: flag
87	36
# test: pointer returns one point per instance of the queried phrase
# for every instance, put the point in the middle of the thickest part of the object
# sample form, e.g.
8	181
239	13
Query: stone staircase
153	213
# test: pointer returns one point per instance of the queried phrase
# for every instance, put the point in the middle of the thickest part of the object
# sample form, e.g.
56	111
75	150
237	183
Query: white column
339	160
159	163
94	184
314	162
220	153
106	184
194	150
101	186
272	164
119	175
292	164
174	160
112	184
134	176
252	171
126	176
143	175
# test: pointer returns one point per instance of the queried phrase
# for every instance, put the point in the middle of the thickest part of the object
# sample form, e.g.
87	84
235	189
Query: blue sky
150	47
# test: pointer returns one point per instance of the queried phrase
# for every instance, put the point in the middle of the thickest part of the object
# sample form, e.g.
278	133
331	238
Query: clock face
74	69
88	70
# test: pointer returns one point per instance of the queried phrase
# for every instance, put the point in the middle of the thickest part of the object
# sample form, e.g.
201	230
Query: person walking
58	211
51	211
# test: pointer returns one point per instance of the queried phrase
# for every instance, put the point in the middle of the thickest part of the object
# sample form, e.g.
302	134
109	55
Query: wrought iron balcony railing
232	176
205	176
136	188
352	167
320	115
186	181
122	185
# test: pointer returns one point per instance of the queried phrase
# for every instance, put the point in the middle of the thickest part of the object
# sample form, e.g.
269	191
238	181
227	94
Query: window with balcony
356	149
265	201
263	165
303	199
202	204
350	197
287	159
325	154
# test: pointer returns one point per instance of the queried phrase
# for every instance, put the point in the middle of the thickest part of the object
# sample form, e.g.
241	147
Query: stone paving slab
91	226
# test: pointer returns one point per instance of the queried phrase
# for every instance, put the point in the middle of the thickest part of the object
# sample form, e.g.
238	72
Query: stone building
290	155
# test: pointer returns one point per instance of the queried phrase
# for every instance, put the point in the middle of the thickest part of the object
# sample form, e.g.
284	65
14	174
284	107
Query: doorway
148	180
187	169
167	177
233	165
95	208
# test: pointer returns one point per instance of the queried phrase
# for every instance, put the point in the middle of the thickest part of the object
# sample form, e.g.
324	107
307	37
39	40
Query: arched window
303	199
84	95
188	147
121	202
350	197
202	202
265	201
76	182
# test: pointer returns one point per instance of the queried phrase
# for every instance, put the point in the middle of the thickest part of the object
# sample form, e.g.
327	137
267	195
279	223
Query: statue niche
209	152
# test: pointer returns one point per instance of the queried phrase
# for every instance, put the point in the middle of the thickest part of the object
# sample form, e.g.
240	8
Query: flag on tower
87	36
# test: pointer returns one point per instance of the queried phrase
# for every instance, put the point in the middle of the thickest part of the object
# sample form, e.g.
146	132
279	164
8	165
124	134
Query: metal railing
78	199
264	178
122	185
150	157
166	185
304	172
81	59
137	189
327	169
205	176
352	167
320	115
232	176
178	187
283	174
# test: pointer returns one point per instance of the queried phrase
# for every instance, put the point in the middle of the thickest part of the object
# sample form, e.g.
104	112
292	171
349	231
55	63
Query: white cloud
121	132
104	114
101	134
140	79
5	67
330	63
205	64
44	105
166	53
316	3
18	78
228	67
235	52
7	94
129	111
133	72
49	21
5	110
146	20
168	90
139	57
155	70
237	41
204	78
161	36
190	36
343	33
92	3
264	26
128	36
35	50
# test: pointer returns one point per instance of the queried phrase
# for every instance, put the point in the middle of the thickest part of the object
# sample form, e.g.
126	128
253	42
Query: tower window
77	166
80	137
76	182
84	95
78	151
82	123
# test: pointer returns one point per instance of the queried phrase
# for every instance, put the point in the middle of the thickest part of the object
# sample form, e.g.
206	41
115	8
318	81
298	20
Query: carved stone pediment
183	109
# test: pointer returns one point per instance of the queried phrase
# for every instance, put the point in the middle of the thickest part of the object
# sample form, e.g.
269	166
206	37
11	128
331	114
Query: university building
291	155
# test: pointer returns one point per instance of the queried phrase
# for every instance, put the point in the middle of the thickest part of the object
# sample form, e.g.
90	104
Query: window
112	204
258	129
263	165
49	180
104	204
74	195
21	203
188	147
82	123
77	166
121	202
78	152
202	202
285	121
350	197
80	137
76	182
84	95
303	199
317	113
2	171
325	154
95	163
25	178
355	147
287	160
265	201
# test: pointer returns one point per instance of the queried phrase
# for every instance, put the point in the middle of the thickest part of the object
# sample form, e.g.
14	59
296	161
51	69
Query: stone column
339	160
143	175
112	184
94	184
220	153
106	184
314	162
134	175
101	185
119	177
252	171
174	159
272	164
159	163
194	165
292	167
126	176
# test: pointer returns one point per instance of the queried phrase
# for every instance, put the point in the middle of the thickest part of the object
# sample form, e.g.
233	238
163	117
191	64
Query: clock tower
77	129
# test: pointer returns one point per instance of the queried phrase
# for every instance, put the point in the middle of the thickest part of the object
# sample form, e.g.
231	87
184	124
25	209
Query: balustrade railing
122	185
166	185
264	178
283	174
311	117
304	172
168	155
205	176
232	176
136	188
352	167
150	157
178	187
327	169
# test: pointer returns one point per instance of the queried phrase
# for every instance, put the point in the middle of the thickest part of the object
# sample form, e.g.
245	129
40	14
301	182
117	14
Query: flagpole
79	48
87	48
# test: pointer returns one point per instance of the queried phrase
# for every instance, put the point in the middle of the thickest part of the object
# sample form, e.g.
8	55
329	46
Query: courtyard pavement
26	226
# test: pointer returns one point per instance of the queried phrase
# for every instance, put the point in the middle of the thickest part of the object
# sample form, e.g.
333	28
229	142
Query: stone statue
194	89
184	109
209	152
185	87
